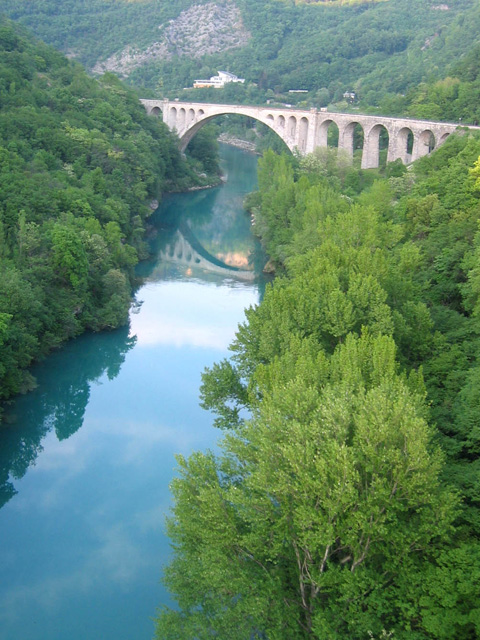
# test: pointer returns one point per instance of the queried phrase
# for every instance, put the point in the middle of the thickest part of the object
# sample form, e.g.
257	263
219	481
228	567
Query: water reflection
194	237
185	250
58	402
207	234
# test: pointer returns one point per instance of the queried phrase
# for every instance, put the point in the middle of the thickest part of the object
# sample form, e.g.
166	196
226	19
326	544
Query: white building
350	96
219	81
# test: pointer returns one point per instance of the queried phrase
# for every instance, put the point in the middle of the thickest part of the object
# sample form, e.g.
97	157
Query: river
87	457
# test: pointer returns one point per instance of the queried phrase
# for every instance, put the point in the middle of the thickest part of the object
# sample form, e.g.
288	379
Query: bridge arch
192	131
327	133
347	136
442	138
187	124
424	144
403	147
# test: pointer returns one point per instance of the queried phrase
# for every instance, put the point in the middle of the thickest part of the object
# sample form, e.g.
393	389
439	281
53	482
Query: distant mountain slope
374	48
198	31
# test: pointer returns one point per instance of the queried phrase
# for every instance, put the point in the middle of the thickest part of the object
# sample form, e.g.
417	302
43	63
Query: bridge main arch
188	118
293	131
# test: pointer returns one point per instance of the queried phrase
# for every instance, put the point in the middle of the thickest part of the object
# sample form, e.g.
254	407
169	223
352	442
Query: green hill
375	48
80	162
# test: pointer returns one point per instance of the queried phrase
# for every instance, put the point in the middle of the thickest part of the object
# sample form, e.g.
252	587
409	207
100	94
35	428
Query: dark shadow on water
59	400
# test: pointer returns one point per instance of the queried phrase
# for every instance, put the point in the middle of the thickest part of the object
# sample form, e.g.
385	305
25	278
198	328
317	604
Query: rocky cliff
200	30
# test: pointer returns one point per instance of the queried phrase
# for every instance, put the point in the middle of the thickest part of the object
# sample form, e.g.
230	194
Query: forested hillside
347	504
454	98
378	49
79	164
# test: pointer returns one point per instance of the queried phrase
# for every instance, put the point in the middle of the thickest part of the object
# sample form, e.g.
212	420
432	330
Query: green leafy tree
69	257
303	524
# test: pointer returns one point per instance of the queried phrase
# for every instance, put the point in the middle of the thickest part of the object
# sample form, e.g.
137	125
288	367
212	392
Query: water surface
86	458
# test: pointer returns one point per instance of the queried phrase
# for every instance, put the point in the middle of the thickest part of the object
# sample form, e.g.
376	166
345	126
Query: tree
303	524
79	162
69	257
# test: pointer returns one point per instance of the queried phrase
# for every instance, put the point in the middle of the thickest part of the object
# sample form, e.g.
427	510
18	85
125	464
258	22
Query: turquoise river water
87	457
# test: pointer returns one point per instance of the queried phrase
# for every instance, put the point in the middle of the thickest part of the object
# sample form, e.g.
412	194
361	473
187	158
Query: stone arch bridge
306	130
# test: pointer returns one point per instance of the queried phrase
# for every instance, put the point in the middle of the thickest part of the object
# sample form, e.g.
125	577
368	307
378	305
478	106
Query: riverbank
238	142
198	187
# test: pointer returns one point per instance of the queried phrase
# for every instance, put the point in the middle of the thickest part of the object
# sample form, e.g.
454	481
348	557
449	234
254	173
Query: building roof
227	73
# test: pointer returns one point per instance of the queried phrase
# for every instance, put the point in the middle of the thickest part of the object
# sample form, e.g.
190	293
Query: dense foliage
454	98
93	28
346	503
379	49
79	163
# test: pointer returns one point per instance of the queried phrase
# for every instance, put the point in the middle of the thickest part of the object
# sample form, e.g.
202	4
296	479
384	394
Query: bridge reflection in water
204	235
185	250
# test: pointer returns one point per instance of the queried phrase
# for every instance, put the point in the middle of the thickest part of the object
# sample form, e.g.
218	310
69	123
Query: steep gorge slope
80	164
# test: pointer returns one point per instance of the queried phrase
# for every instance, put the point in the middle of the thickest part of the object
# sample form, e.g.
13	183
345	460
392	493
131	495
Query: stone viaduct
306	130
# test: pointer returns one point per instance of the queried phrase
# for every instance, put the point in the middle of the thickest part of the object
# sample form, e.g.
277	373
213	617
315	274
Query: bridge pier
371	147
312	128
398	146
345	137
421	144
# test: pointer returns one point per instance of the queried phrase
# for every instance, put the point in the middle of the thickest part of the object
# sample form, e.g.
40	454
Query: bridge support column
416	150
371	149
299	137
165	111
291	132
304	128
311	134
345	139
421	145
392	149
398	146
